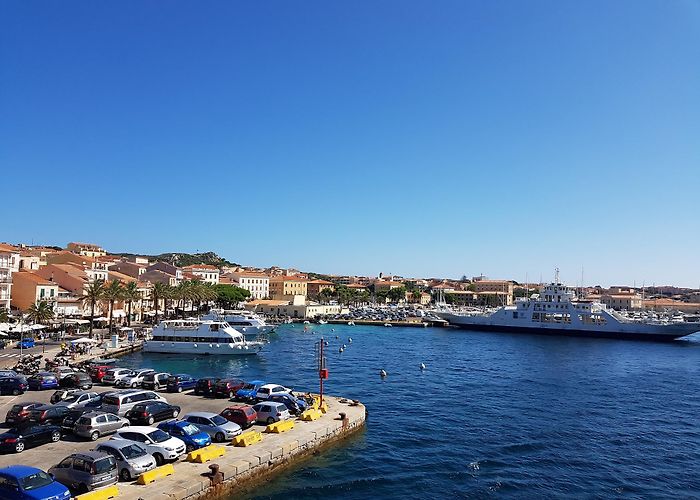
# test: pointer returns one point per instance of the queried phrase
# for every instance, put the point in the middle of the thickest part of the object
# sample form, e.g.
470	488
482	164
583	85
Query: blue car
25	343
43	380
20	482
249	391
293	404
187	432
180	382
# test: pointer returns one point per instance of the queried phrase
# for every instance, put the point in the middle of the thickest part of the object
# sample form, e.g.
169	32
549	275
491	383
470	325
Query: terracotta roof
356	285
321	282
114	275
249	274
288	278
268	302
4	247
201	266
39	280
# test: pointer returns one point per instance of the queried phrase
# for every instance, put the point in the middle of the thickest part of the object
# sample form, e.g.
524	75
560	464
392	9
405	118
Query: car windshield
190	430
35	481
133	451
150	377
173	379
218	420
104	465
249	386
158	436
110	400
71	399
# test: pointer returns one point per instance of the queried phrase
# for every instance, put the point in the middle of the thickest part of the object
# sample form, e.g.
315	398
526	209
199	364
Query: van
86	471
121	402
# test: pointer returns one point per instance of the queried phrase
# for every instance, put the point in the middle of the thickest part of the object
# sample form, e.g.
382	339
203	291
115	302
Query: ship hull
201	348
571	332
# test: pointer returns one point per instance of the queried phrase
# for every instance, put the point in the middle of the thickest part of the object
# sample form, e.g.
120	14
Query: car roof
91	454
206	414
139	428
19	470
276	403
97	413
116	443
270	386
174	423
238	407
181	375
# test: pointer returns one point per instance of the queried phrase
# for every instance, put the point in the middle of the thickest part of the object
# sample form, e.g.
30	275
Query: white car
135	380
268	390
157	442
116	374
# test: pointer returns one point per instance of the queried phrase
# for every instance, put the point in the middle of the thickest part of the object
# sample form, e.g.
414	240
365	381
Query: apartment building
258	284
205	272
500	289
286	287
9	264
86	249
315	287
28	288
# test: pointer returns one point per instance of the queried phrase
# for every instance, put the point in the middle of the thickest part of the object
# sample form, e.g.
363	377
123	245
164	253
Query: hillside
186	259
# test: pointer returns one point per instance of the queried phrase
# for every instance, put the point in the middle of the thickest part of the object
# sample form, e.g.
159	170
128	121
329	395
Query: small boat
388	325
351	323
322	322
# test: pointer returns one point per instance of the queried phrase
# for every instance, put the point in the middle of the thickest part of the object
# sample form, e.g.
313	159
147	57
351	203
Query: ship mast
556	275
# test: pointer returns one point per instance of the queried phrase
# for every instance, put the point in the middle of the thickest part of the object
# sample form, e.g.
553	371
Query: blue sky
416	138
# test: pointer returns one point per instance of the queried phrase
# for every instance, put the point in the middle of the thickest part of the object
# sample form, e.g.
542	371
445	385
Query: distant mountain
186	259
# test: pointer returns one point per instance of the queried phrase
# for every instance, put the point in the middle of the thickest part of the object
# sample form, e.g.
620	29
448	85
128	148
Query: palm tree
92	295
416	295
158	292
40	312
4	315
207	292
113	292
131	293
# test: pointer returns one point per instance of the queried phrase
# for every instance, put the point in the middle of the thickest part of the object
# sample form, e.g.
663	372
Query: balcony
4	279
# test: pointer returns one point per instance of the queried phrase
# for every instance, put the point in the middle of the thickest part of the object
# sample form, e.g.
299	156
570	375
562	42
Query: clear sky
418	138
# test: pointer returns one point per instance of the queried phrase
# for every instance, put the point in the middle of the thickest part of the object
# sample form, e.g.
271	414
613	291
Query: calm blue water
493	415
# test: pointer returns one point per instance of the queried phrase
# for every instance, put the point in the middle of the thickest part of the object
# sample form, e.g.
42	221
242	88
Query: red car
243	415
97	372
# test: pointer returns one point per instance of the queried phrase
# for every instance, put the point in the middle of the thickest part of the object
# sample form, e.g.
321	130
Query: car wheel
189	448
19	447
94	436
15	392
125	475
176	413
55	436
179	389
151	420
134	385
270	420
219	437
231	394
82	488
159	459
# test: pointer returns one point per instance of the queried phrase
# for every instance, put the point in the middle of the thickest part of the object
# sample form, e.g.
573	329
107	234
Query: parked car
20	412
243	415
13	385
271	411
43	380
214	424
157	442
94	424
8	373
152	411
86	471
132	458
180	382
79	399
70	419
63	371
134	380
155	381
268	390
97	372
29	435
205	386
121	402
190	434
21	482
295	405
227	387
62	394
249	391
49	414
78	380
25	343
115	374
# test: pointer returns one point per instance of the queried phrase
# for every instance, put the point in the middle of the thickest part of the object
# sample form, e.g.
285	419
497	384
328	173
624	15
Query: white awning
118	313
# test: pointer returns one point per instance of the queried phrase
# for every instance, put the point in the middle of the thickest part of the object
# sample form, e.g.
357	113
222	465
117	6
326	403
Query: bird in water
326	343
349	340
382	373
341	349
422	366
345	346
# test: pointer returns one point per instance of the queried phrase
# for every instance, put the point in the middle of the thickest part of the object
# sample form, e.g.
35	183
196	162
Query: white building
205	272
257	284
9	263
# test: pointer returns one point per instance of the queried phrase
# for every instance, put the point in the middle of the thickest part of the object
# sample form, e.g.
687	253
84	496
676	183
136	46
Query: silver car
132	458
121	402
115	374
83	472
134	380
79	399
98	423
214	424
158	443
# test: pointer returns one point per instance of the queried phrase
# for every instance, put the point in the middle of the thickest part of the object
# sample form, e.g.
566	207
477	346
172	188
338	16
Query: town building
386	285
9	264
296	308
286	287
258	284
129	268
28	288
94	269
502	290
68	276
158	276
86	249
205	272
619	301
315	287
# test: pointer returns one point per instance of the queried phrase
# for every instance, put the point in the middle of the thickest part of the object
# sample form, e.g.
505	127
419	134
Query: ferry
558	311
196	336
246	322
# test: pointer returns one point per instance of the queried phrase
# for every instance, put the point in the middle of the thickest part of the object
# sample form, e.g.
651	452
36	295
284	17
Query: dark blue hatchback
20	482
180	382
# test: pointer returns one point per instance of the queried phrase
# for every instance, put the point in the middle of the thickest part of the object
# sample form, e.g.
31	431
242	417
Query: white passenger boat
558	311
246	322
195	336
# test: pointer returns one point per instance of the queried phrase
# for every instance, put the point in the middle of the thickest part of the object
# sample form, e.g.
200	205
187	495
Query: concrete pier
241	466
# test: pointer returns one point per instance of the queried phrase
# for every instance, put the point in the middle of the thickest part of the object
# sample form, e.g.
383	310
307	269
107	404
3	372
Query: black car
152	411
205	386
19	438
13	385
78	380
72	416
20	412
49	414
